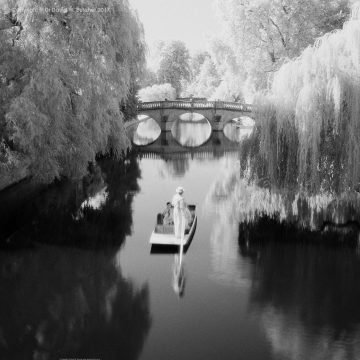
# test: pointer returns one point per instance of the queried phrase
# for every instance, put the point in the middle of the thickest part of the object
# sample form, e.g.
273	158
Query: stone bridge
165	113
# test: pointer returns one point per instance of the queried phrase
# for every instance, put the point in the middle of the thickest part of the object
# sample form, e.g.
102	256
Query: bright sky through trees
191	21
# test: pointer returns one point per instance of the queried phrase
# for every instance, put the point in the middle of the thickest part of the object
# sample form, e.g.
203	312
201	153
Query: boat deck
164	234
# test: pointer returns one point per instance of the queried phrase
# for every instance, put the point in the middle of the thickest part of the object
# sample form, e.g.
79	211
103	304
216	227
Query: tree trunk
272	56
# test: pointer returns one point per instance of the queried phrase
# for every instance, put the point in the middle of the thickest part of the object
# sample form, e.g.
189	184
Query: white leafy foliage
321	90
157	92
70	72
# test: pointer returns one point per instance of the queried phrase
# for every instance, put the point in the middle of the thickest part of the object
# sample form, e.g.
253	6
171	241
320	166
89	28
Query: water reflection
324	213
304	294
191	133
237	132
302	218
178	280
227	267
167	148
95	212
177	158
245	121
94	202
302	283
266	280
192	117
292	340
176	168
68	303
147	131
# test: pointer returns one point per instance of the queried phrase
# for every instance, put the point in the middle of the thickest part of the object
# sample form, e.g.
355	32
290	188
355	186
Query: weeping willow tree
310	118
67	72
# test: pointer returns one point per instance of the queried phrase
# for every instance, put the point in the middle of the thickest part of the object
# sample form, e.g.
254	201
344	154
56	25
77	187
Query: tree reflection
302	279
299	239
177	167
236	132
64	302
146	132
61	214
248	201
191	133
69	303
306	295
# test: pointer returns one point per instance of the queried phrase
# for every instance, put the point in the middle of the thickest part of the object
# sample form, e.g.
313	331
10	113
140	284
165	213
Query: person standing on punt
179	205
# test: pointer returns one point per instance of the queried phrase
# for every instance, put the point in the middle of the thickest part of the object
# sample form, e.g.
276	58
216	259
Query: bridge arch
145	132
165	113
191	133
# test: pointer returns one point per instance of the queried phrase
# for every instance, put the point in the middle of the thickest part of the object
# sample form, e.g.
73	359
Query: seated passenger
168	217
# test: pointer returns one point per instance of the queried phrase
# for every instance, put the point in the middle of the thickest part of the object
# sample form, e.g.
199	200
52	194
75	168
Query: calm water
78	278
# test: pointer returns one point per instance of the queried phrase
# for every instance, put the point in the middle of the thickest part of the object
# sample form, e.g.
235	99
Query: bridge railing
180	104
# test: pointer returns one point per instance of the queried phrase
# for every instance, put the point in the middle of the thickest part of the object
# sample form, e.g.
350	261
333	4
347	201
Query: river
79	279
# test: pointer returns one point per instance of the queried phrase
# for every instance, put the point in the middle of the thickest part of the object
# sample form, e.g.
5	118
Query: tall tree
206	81
216	73
63	75
196	62
267	32
174	65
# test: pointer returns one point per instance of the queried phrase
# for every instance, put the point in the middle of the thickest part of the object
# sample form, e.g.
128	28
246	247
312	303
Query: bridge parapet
194	105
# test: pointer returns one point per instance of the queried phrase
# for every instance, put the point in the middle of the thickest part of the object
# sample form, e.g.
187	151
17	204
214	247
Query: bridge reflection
167	147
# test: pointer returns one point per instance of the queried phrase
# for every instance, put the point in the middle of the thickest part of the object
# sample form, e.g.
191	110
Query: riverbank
267	229
13	176
93	212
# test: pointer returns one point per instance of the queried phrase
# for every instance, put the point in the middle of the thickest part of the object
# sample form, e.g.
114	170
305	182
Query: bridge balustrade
178	104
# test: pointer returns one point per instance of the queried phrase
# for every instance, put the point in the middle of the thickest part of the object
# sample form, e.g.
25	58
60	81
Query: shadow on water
304	294
71	301
69	304
92	213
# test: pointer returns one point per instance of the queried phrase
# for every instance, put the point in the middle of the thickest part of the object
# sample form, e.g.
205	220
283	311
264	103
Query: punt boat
164	234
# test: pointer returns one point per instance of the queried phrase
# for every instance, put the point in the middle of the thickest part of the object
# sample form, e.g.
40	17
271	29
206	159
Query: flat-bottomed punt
164	234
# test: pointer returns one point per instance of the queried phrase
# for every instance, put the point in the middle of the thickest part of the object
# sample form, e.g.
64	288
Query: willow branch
279	31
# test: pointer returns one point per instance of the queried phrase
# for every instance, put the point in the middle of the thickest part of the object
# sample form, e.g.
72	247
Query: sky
192	21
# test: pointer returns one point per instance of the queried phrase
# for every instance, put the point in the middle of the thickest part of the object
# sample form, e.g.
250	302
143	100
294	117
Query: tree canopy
157	93
64	72
311	112
264	33
216	73
174	64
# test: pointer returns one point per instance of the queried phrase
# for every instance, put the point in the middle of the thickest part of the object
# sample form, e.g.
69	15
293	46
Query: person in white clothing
179	205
